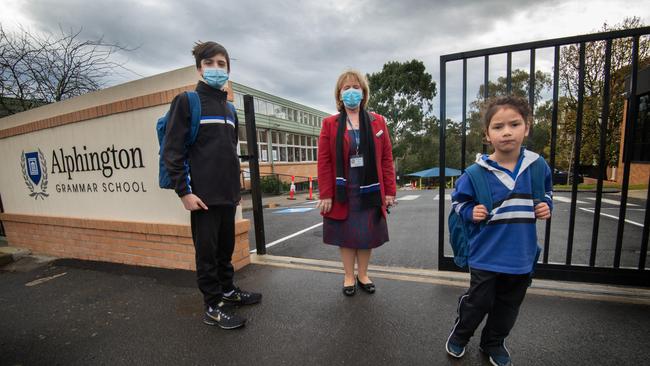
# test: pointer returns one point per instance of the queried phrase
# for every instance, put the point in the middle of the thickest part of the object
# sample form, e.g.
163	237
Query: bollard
292	189
311	190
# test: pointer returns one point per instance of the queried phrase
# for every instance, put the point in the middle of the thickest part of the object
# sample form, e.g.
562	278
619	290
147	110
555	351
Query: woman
356	179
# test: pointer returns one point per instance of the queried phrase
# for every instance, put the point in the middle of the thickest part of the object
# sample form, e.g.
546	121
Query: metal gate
567	268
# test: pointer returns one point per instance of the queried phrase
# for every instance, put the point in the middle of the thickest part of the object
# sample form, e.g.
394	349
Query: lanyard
357	137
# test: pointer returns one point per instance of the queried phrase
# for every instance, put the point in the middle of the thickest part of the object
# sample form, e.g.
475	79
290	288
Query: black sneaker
223	318
240	297
498	356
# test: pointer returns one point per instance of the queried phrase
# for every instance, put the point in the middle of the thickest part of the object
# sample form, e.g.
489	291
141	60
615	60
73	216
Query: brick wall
639	173
135	243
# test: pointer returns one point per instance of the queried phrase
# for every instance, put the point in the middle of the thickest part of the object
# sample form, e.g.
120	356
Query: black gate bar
464	127
254	166
566	271
509	73
531	92
627	150
576	152
554	118
441	153
646	228
604	119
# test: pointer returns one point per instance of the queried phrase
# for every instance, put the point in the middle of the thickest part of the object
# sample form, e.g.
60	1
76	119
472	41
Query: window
263	146
279	111
239	101
275	149
262	136
641	135
243	145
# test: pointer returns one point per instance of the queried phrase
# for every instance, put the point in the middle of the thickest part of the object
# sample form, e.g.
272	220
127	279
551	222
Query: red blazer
327	163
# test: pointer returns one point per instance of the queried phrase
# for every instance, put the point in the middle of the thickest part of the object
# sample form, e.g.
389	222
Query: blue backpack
460	231
164	181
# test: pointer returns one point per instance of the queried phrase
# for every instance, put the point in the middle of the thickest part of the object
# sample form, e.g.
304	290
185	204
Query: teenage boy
206	178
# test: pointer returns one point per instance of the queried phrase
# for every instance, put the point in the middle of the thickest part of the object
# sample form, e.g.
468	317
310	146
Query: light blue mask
216	78
352	97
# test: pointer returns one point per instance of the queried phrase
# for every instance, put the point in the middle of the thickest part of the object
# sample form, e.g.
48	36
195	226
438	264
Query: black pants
498	295
213	233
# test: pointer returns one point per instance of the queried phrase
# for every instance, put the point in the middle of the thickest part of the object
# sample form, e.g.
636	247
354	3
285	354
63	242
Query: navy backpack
164	181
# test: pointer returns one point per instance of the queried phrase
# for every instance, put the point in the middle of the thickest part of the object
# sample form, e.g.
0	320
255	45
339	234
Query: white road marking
293	210
437	197
613	202
410	197
612	217
289	236
566	199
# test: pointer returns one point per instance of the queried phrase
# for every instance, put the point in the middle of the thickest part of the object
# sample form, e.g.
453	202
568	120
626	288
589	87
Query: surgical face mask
215	77
352	97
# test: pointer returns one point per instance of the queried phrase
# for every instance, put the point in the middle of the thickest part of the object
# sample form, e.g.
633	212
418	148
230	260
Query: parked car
560	177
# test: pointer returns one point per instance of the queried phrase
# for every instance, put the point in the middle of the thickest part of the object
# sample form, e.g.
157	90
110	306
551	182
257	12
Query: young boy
503	251
206	178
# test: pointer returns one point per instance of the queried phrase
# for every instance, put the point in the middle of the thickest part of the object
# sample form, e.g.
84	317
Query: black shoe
240	297
367	287
223	318
349	290
498	356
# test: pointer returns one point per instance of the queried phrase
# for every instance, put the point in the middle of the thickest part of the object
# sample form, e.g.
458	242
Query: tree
594	87
538	141
37	68
403	94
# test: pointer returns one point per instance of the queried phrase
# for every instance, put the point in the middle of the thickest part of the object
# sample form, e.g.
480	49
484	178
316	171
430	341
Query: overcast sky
296	49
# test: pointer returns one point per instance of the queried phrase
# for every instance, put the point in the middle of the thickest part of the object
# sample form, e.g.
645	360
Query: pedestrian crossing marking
612	202
437	197
293	210
566	199
409	197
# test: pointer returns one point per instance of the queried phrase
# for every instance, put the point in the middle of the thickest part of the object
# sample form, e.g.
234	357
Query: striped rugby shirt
508	242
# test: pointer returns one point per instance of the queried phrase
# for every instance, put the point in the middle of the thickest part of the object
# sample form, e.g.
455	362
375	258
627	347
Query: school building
287	135
640	136
79	178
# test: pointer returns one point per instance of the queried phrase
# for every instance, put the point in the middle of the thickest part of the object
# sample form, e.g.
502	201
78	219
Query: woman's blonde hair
339	83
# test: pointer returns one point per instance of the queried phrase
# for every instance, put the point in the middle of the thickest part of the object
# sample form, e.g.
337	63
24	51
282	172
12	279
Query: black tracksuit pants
213	233
498	295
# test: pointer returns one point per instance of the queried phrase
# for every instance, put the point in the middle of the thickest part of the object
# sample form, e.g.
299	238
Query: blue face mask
352	97
216	78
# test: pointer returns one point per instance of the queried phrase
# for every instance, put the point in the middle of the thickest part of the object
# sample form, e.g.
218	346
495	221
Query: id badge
356	161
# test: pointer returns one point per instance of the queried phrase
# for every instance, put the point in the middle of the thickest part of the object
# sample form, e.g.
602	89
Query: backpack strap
232	108
195	110
538	179
476	174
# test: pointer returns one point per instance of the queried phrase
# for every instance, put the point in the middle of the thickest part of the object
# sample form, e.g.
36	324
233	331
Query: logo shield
33	167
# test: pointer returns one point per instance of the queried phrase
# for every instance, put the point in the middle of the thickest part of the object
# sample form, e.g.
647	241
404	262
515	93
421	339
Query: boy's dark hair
493	105
203	50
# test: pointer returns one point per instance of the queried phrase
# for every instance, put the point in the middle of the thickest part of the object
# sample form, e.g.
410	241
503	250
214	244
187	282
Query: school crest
34	168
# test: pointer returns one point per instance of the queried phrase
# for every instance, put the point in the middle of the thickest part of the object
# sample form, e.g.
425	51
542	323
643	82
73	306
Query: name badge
356	161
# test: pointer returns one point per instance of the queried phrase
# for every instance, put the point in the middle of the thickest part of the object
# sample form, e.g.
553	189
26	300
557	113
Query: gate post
254	167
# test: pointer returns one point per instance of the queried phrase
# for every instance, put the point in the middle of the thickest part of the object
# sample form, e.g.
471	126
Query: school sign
80	178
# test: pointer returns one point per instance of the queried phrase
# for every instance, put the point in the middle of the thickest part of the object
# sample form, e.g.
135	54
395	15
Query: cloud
296	49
